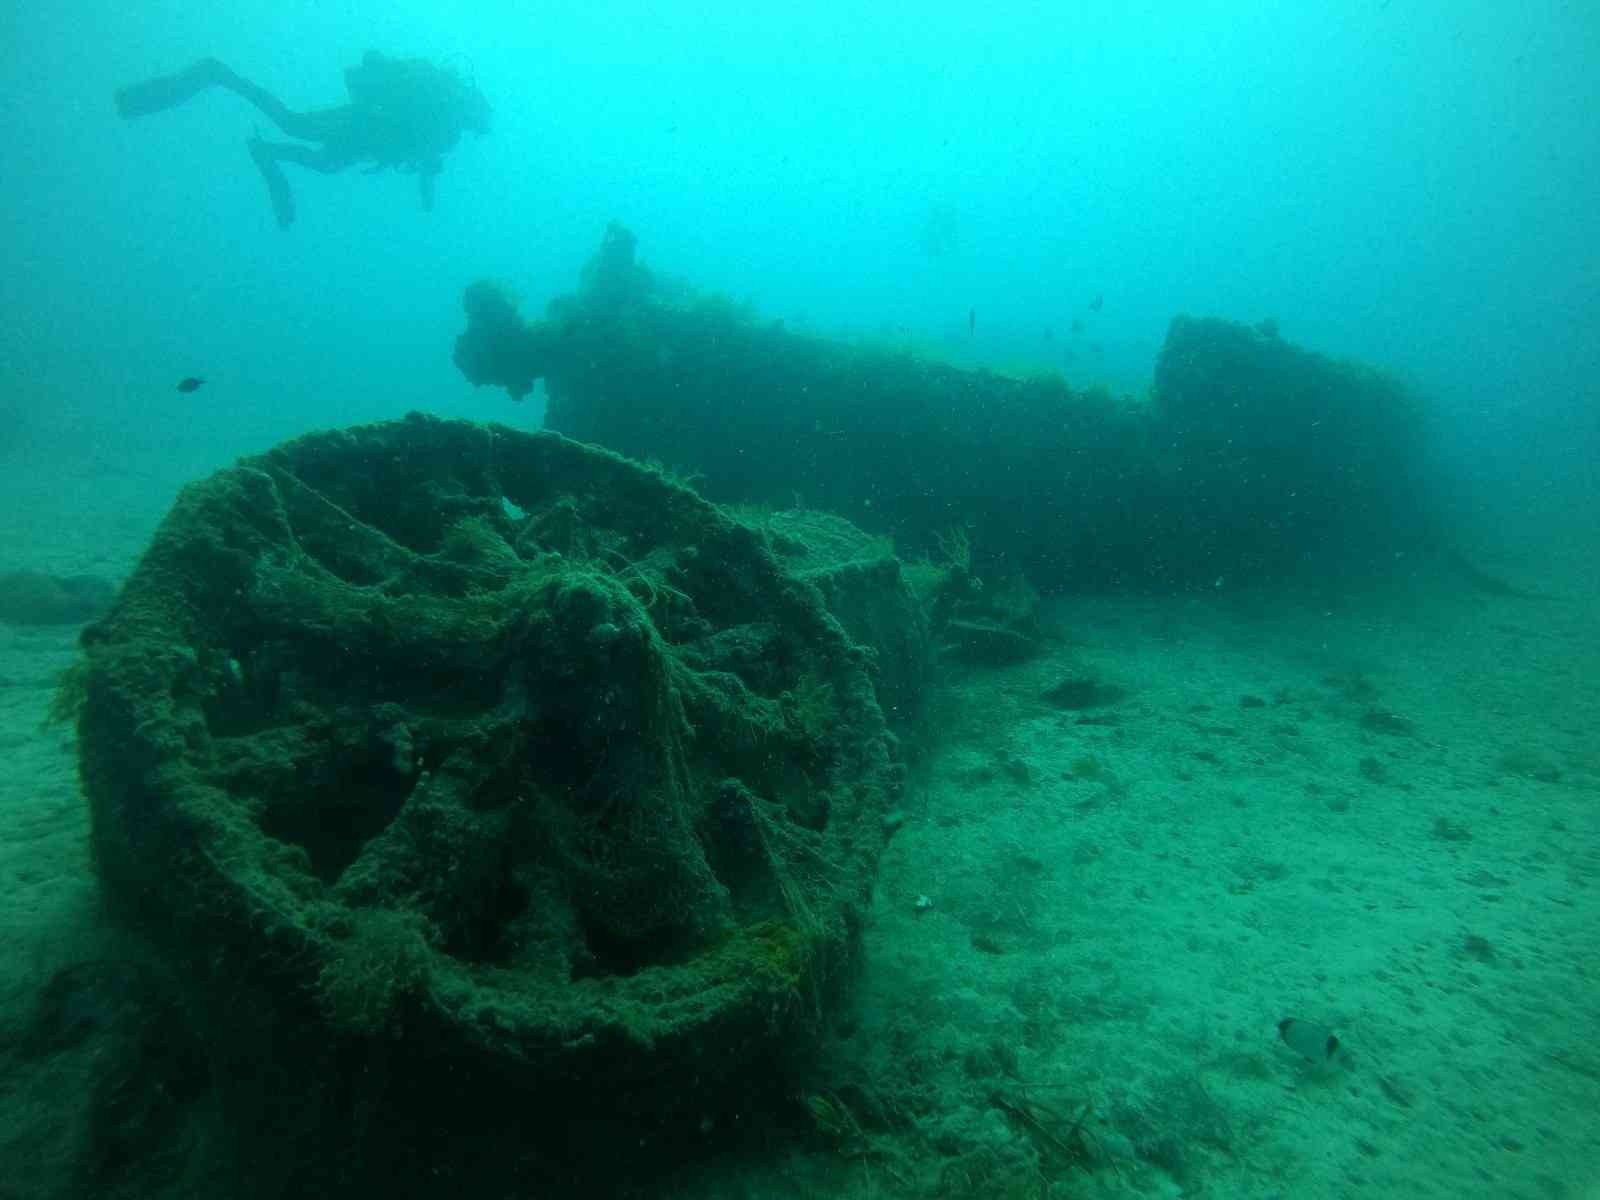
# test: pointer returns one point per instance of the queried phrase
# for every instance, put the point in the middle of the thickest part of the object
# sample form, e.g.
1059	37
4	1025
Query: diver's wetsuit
379	127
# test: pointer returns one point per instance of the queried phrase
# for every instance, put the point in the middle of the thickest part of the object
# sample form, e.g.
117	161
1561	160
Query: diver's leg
313	158
169	91
278	192
268	156
295	124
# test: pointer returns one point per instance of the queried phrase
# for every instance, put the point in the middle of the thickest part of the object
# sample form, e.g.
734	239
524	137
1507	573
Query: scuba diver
403	113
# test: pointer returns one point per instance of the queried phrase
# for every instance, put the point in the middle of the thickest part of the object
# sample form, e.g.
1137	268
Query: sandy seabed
1376	811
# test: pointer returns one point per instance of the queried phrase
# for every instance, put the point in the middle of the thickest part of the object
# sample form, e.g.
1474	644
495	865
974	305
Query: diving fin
169	91
277	186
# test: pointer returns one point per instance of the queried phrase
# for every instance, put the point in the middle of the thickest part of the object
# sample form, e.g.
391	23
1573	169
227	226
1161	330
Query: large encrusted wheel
493	742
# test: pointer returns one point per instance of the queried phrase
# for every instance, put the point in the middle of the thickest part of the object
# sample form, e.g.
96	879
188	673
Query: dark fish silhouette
972	321
1308	1038
189	384
1094	305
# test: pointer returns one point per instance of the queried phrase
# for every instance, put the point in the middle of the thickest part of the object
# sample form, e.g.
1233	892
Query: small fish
1308	1039
1077	327
972	321
189	384
1094	305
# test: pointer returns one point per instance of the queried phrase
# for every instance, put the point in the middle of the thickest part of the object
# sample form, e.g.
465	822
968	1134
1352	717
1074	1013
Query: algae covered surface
495	743
481	812
1118	863
1249	456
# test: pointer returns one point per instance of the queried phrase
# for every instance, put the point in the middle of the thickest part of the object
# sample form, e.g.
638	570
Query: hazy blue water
1415	184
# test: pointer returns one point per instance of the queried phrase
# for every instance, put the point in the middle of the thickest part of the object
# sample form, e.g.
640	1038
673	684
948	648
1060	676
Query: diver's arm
427	173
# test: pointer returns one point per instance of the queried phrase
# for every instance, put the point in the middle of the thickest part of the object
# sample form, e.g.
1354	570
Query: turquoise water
1366	803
